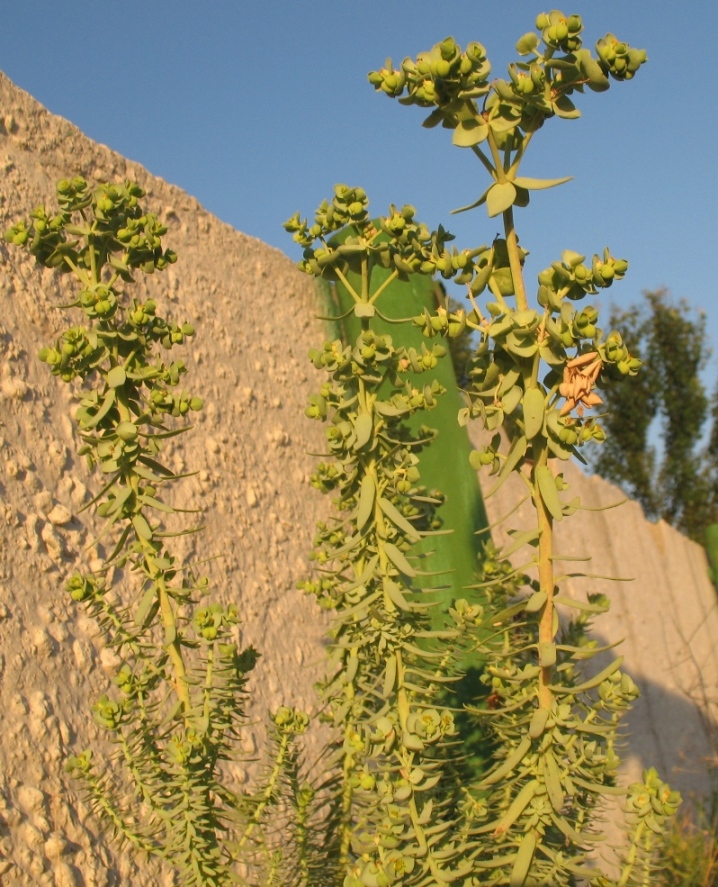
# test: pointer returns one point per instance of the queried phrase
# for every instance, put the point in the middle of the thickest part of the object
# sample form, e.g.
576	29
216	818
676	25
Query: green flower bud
126	431
448	49
107	713
79	588
441	68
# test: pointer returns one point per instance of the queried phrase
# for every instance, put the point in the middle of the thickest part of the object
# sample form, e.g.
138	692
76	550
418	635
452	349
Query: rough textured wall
248	361
250	449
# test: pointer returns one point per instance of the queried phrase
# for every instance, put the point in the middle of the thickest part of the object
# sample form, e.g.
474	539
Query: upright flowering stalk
176	707
397	822
533	382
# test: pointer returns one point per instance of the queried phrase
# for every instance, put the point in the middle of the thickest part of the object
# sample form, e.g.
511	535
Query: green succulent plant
176	708
398	804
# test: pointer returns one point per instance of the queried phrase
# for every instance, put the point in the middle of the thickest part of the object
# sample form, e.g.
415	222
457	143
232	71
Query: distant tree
678	480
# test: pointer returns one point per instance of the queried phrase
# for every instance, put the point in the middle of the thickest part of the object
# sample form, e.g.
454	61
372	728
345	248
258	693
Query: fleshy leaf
534	407
539	184
500	197
479	202
549	493
470	132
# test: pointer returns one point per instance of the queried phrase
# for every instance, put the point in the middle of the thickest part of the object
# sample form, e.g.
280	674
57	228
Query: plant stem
347	798
512	247
169	623
546	582
266	797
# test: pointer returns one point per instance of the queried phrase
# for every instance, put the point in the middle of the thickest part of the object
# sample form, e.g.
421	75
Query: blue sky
258	109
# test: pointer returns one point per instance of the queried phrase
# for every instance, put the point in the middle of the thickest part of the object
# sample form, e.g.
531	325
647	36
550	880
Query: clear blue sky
258	108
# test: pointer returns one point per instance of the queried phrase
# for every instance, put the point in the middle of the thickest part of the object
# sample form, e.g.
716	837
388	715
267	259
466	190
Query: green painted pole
443	465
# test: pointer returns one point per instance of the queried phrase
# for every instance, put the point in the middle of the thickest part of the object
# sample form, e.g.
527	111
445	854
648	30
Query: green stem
512	247
347	799
174	650
268	793
512	242
484	159
407	759
380	289
350	289
546	580
208	685
496	156
78	272
631	855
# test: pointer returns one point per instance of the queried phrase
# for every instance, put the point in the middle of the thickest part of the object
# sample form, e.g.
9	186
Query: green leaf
592	682
363	428
366	500
548	490
157	504
470	132
398	519
479	202
559	450
534	407
434	119
565	108
389	677
515	455
411	741
524	858
565	828
500	197
107	405
592	71
518	805
523	198
584	606
509	765
348	545
538	722
398	559
539	184
509	379
170	635
143	611
396	595
502	123
553	781
352	667
367	573
142	528
511	399
535	602
116	377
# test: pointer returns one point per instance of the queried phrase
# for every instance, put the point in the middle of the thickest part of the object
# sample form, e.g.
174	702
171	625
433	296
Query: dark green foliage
677	481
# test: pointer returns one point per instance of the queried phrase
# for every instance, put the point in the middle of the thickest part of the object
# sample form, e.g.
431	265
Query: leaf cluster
175	710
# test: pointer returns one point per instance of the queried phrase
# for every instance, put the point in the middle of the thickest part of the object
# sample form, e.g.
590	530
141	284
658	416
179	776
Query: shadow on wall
669	729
